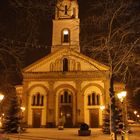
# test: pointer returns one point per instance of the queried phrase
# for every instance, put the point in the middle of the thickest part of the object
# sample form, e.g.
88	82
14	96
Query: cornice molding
67	75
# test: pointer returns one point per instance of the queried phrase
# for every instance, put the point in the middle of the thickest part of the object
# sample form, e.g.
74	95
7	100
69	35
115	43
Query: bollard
112	136
19	132
124	135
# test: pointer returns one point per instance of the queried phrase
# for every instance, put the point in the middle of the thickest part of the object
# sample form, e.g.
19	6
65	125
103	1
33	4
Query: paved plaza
67	134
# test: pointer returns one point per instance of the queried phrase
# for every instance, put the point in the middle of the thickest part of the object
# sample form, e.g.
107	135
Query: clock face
64	5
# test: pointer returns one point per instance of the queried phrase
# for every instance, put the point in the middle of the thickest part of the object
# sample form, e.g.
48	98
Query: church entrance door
94	118
37	118
66	114
65	105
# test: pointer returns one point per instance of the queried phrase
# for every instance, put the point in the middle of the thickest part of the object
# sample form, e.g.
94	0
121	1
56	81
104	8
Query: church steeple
66	26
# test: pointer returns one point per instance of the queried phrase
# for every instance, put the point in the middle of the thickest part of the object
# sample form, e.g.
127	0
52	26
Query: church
65	82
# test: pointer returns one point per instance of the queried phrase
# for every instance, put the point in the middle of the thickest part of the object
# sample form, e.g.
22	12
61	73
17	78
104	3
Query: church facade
64	83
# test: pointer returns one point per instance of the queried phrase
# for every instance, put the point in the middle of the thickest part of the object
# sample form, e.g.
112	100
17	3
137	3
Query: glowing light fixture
65	32
22	108
135	112
102	107
1	97
122	95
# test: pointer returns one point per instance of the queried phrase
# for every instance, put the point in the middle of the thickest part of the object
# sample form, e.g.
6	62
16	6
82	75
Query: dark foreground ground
66	134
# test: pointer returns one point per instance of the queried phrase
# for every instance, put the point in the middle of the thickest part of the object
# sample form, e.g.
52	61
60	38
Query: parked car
131	122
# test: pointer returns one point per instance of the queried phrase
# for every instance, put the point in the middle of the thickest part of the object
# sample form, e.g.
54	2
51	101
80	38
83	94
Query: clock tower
66	26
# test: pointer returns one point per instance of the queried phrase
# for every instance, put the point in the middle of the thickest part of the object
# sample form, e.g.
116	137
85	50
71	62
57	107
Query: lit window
65	37
65	32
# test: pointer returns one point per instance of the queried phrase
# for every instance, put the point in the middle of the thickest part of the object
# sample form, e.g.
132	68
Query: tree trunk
112	111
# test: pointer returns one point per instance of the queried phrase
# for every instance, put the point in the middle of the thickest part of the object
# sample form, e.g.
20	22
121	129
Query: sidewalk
66	134
55	134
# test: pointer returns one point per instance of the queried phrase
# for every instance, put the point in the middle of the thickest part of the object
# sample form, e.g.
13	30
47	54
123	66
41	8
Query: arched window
69	98
65	36
65	97
37	100
42	100
89	100
61	100
98	99
65	64
66	9
33	100
93	99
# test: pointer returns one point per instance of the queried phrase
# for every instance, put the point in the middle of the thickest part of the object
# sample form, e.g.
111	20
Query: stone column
51	104
25	99
79	103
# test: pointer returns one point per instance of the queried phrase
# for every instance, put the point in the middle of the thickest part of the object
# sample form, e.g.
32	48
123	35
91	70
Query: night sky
15	25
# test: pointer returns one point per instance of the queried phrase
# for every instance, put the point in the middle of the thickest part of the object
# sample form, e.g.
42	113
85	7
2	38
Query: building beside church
65	82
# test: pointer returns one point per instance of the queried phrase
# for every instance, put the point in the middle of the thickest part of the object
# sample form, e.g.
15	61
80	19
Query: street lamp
102	107
122	96
135	112
22	111
22	108
136	116
1	97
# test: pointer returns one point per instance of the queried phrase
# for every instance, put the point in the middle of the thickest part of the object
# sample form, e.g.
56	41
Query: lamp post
22	111
122	97
135	112
102	107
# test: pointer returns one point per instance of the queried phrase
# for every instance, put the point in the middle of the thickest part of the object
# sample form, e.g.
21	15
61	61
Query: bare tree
21	30
113	31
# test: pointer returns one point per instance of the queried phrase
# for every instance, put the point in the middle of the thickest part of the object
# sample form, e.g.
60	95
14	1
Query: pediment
76	62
